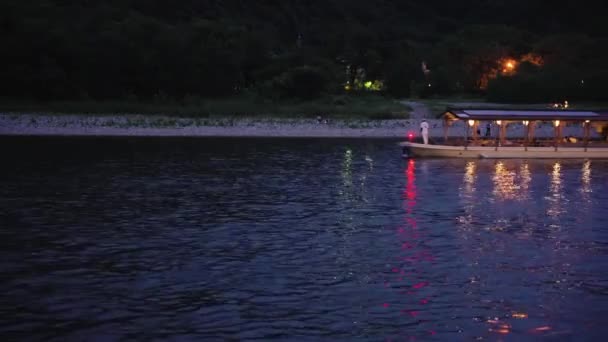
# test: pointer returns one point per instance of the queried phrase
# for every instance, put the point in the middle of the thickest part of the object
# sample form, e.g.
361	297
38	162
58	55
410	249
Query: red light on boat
410	136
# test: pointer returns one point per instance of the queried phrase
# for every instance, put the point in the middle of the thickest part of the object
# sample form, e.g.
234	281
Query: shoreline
165	126
137	125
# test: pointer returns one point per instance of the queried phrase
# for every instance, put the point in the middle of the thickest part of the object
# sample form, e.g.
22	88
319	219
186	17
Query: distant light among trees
157	51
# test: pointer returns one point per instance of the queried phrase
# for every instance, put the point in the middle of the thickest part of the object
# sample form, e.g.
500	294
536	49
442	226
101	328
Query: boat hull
444	151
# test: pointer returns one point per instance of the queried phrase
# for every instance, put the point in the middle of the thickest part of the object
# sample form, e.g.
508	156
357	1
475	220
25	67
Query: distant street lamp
509	66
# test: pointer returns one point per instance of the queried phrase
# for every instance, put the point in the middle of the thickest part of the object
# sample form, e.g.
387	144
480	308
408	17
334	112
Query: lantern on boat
471	123
498	122
525	122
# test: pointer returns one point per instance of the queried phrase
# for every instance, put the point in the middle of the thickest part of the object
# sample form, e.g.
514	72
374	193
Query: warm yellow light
375	85
498	122
509	66
556	123
471	122
586	121
525	122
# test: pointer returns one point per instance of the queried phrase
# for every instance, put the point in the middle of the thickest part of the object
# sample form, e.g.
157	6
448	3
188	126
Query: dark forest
142	50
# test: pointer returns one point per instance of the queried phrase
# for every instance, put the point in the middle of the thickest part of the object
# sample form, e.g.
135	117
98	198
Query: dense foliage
281	49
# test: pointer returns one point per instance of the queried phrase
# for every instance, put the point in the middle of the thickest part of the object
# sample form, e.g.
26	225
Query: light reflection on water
555	193
414	260
469	179
467	192
586	179
526	178
347	178
297	240
505	187
519	190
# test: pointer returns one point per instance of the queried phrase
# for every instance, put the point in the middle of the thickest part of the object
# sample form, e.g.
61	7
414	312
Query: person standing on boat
424	129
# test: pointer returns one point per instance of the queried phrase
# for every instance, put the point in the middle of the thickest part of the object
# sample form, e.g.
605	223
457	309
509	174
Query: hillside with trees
143	50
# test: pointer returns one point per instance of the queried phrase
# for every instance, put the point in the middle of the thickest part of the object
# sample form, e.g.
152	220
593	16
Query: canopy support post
531	126
475	128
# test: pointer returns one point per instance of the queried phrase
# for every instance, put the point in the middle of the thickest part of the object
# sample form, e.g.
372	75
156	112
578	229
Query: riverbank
159	125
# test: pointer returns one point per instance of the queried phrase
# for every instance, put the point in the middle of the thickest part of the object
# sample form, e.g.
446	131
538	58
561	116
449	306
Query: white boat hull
444	151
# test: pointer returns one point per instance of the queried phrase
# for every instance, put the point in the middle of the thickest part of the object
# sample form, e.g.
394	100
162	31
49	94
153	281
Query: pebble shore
147	125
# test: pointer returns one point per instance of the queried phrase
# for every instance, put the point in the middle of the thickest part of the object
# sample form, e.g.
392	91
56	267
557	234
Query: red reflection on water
541	329
410	188
421	285
407	271
500	331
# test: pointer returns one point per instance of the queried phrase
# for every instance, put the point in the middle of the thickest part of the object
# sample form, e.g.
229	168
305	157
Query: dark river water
305	240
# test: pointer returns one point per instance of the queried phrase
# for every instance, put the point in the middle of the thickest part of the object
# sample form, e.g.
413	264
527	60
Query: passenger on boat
424	129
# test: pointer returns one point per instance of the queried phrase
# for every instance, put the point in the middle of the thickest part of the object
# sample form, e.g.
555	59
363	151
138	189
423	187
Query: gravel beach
147	125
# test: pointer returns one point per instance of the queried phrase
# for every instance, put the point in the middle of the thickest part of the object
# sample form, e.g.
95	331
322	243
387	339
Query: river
295	239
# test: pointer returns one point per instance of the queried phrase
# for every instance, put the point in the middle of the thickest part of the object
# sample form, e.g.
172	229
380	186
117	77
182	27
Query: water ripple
236	239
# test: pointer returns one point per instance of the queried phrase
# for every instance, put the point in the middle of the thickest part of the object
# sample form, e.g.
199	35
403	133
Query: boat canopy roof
524	114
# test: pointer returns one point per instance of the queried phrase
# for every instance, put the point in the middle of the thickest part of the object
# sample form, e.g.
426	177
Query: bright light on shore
509	65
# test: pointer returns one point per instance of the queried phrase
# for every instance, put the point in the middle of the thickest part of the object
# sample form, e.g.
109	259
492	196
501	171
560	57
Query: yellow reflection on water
354	178
469	179
504	182
469	176
467	192
556	180
586	181
526	178
586	175
555	191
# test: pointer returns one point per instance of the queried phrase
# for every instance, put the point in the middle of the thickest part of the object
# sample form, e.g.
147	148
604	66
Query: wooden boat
525	146
444	151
